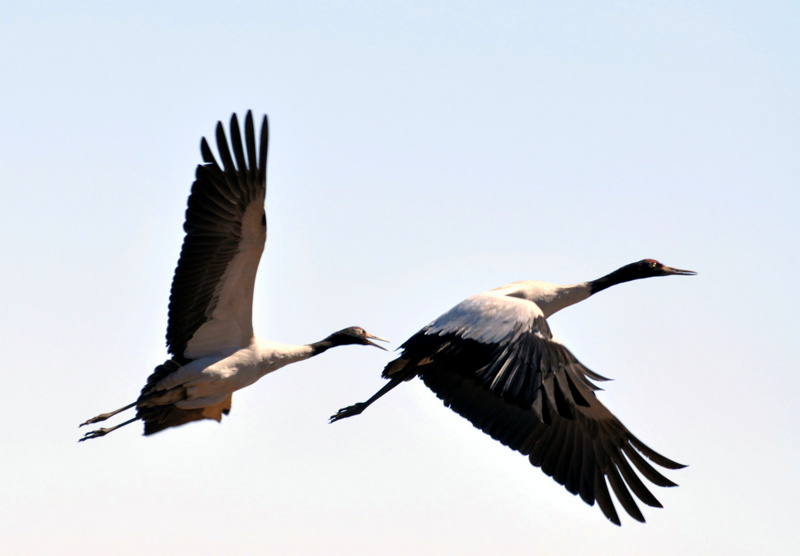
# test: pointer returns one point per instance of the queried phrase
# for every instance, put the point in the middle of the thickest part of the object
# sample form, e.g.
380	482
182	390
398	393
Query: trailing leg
356	409
104	416
102	432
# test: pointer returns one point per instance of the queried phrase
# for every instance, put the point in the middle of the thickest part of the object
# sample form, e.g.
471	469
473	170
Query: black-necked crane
210	328
493	360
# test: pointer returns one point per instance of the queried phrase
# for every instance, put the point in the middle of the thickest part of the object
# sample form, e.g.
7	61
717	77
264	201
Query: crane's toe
101	417
345	412
95	434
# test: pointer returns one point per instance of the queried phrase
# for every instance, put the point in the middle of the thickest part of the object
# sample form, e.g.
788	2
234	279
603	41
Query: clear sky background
420	152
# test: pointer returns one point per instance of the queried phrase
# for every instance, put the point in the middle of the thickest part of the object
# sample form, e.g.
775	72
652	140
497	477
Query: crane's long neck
277	355
624	274
321	346
340	338
270	356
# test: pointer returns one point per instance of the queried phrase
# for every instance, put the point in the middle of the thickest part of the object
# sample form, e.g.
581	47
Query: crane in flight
493	360
210	328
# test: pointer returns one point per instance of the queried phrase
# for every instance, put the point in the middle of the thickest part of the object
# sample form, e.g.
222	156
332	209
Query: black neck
321	346
624	274
336	339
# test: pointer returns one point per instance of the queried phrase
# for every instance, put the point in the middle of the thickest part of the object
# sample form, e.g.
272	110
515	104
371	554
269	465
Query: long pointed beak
668	271
374	337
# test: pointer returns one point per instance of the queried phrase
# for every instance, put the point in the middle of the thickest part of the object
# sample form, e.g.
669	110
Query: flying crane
210	328
493	360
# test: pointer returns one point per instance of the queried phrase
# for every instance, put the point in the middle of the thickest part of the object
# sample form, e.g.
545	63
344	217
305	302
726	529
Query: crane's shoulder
489	317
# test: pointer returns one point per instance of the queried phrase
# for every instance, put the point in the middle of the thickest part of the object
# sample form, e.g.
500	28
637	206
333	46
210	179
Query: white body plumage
209	380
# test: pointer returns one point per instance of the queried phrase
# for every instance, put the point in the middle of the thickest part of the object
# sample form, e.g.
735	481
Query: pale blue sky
420	152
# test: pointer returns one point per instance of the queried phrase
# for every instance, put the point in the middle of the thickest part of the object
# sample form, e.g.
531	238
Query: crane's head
651	267
354	335
646	268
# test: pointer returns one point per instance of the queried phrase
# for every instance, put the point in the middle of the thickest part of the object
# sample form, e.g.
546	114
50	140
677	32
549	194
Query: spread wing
211	300
492	359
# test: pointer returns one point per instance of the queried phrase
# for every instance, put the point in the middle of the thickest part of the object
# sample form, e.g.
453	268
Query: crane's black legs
104	416
102	432
356	409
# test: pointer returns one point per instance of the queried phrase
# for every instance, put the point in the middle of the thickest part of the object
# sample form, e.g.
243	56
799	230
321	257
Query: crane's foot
101	417
345	412
95	433
102	432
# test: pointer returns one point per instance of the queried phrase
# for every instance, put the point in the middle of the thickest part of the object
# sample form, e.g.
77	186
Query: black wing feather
535	397
213	227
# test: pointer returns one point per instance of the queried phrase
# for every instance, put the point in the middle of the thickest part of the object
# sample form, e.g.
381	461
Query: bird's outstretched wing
492	360
211	300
